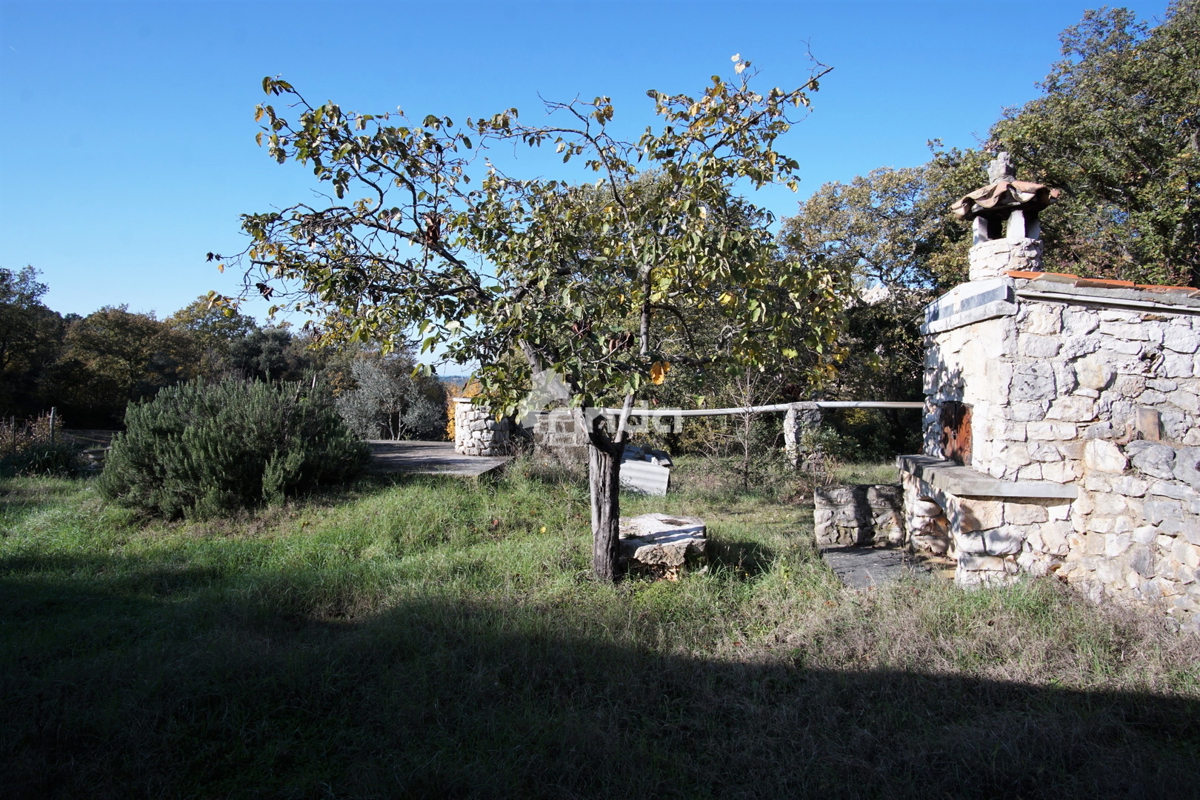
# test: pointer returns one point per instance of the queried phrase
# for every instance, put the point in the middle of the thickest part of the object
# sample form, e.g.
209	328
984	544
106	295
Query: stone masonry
477	432
1080	452
858	514
555	435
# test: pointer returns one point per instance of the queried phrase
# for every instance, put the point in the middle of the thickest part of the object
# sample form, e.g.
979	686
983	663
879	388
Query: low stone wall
1132	535
555	435
858	514
477	432
992	538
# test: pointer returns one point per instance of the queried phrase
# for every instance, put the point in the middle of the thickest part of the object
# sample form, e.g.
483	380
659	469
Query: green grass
437	638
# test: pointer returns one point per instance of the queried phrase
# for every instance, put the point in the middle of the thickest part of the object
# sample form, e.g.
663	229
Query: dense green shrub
202	449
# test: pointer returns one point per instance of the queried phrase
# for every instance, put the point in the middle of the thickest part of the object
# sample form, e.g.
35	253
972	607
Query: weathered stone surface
1043	320
926	508
1003	541
1181	339
1184	468
1033	381
662	545
1034	346
1152	459
1072	409
1104	456
860	514
1025	513
1094	372
866	568
1051	431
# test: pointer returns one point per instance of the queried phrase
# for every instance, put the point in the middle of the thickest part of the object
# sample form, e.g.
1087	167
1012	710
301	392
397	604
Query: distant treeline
91	367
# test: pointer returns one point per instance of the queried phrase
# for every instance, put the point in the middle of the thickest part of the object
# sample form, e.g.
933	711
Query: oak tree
1118	130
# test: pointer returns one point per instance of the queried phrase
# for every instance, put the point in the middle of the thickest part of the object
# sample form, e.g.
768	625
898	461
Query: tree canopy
1118	130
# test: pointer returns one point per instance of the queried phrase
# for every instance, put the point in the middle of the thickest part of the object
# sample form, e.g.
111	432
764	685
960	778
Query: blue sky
129	149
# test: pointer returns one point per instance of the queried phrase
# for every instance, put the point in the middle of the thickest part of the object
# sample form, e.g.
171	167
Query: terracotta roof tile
1098	283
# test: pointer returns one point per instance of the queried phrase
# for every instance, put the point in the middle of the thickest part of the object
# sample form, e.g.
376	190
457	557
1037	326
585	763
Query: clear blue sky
129	148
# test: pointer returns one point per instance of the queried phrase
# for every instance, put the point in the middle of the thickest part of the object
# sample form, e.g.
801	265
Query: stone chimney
1005	218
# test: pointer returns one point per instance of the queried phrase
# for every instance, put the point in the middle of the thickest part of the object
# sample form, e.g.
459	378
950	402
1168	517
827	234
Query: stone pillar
801	417
477	432
994	257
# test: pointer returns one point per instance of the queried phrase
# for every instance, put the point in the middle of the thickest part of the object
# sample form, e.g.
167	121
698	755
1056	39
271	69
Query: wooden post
53	414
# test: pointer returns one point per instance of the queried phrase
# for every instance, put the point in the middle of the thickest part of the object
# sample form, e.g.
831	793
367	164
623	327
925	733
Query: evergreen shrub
202	449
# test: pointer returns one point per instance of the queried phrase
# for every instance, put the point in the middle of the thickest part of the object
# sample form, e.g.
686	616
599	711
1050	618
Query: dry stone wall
858	514
477	432
557	437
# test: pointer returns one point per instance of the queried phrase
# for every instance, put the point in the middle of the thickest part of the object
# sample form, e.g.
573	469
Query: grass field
418	637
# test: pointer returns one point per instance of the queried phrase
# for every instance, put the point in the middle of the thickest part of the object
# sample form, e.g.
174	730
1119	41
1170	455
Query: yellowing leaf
658	372
726	298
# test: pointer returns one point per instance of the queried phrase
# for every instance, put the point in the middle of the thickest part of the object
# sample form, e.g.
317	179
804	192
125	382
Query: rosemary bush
203	449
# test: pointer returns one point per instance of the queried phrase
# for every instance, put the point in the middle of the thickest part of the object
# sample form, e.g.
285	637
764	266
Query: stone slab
429	458
966	482
868	567
662	544
1069	287
969	303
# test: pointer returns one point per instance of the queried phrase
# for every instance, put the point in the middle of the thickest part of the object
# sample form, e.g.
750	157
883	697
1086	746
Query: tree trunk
604	473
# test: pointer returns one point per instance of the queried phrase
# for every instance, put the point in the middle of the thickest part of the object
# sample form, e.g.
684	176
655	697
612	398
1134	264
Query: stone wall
993	538
1046	379
1135	533
1082	392
556	436
477	432
858	514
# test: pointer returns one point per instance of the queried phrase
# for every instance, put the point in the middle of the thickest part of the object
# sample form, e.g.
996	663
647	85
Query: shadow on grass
213	695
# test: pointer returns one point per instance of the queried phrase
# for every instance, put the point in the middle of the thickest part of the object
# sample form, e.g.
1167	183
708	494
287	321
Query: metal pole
53	413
